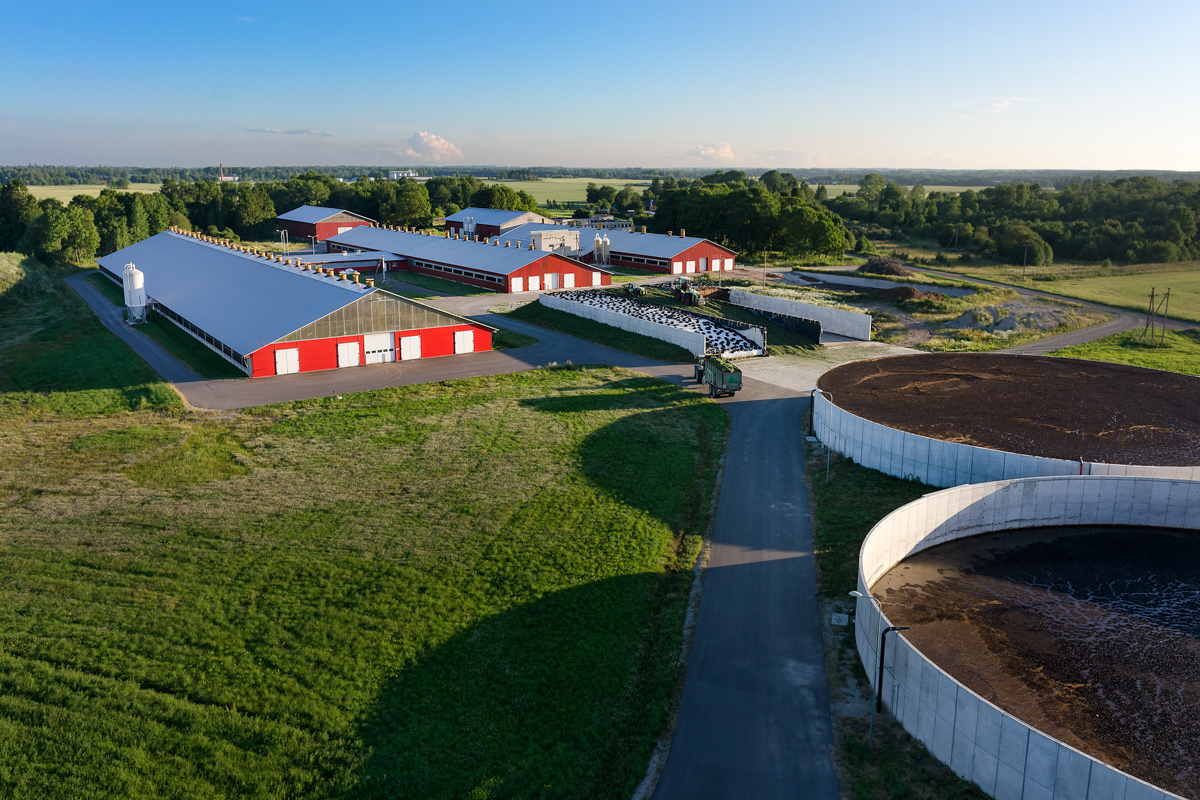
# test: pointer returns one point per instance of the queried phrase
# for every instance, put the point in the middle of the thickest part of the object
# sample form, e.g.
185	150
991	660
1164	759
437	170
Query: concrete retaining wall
1004	756
833	320
881	283
939	463
695	343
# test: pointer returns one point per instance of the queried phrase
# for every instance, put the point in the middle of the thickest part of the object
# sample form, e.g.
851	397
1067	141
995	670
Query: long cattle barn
653	252
319	223
270	315
490	221
502	266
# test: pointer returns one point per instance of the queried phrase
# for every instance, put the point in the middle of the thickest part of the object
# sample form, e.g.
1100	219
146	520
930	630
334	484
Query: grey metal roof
244	300
314	214
652	245
496	259
489	216
333	259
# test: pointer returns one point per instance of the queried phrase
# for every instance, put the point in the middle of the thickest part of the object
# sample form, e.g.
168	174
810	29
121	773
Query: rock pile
719	340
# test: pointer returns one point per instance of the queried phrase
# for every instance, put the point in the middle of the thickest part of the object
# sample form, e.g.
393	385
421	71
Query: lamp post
314	244
877	706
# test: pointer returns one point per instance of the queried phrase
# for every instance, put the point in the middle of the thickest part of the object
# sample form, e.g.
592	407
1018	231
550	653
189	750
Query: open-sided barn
274	316
654	252
490	221
508	266
317	222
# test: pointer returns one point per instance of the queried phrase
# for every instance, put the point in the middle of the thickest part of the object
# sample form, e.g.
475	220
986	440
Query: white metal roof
652	245
490	216
496	259
246	301
333	259
314	214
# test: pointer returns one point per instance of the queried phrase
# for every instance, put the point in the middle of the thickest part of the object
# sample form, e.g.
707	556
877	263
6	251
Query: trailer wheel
712	390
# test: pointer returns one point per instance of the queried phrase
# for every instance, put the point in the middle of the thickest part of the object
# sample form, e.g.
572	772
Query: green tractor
685	292
633	290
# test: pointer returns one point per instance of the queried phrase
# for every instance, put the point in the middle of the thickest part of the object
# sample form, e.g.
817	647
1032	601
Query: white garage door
676	267
704	265
287	361
348	354
568	280
552	281
533	283
595	278
464	341
343	230
379	348
410	347
691	266
729	263
518	284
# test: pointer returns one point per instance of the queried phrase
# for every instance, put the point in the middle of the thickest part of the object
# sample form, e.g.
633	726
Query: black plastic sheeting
808	328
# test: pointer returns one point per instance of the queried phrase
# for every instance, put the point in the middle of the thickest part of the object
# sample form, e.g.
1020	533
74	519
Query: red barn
315	222
654	252
502	266
275	316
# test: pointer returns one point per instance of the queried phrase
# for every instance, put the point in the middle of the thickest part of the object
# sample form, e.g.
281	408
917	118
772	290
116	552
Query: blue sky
1037	85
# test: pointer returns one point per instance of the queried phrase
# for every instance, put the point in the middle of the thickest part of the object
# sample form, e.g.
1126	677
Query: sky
978	85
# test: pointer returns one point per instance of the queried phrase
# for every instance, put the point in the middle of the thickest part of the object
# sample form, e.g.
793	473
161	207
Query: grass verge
465	589
174	340
505	339
1181	352
439	287
56	359
537	314
897	765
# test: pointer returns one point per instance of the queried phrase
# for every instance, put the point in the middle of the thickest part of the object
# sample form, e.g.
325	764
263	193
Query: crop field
1133	291
65	193
845	188
1179	351
566	190
324	598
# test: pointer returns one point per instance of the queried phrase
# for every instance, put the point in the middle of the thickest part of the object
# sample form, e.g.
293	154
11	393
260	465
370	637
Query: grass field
537	314
55	356
504	339
65	193
846	188
1133	291
1181	352
438	287
566	190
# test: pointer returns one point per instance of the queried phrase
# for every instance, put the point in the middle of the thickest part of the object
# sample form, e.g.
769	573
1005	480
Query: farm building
488	222
275	316
654	252
509	266
339	261
318	223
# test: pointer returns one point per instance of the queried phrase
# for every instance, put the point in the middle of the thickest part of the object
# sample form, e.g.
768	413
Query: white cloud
429	147
293	132
716	151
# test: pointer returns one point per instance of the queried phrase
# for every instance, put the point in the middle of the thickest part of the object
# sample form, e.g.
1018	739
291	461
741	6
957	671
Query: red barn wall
321	354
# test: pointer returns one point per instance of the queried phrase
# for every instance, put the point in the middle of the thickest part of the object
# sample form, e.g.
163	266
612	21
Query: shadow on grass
559	697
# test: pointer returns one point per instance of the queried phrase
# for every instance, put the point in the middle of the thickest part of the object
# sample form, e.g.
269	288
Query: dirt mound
885	266
1013	319
1036	405
908	293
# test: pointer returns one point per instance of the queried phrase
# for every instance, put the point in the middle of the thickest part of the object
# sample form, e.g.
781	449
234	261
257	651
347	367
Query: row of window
479	276
639	260
215	344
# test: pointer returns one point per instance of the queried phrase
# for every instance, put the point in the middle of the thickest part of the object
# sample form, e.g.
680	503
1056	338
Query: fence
695	343
940	463
1002	755
852	324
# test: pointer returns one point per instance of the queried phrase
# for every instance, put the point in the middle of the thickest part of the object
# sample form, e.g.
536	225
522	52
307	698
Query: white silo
597	251
135	293
606	248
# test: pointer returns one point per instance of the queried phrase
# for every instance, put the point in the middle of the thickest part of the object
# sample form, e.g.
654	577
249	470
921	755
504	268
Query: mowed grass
464	589
55	356
185	347
1133	291
65	193
648	347
567	190
1180	351
437	287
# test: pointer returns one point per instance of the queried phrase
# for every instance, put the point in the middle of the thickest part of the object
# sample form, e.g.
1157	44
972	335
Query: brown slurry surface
1035	405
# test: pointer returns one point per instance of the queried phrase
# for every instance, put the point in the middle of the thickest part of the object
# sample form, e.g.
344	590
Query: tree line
1130	220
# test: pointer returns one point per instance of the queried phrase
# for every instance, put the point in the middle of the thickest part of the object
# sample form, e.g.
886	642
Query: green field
462	589
65	193
1180	351
1133	291
566	190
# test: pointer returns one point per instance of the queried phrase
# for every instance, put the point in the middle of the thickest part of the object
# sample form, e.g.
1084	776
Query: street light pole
314	244
877	706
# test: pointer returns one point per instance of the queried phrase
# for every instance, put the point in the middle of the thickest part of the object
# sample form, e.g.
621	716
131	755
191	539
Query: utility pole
1166	307
1025	260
